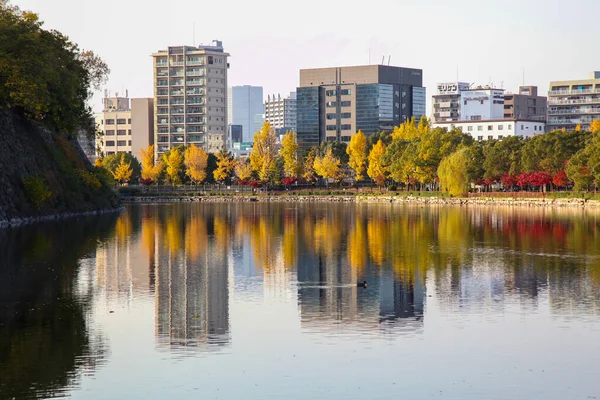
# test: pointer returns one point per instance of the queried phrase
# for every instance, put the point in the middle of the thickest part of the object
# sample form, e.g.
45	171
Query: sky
479	41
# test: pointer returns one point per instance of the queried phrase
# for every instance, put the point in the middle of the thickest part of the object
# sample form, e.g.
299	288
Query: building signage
452	87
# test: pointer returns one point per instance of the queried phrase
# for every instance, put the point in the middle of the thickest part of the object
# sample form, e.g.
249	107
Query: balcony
195	139
177	139
194	72
194	91
195	120
162	110
162	121
162	92
176	82
163	102
573	111
162	72
177	120
195	110
573	91
195	129
177	110
161	64
195	100
162	138
176	63
162	148
162	82
591	100
194	82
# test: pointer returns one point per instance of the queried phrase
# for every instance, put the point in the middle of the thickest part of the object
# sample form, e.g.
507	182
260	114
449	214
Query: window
121	132
109	133
535	127
346	92
481	102
490	137
470	128
500	137
346	104
110	122
521	126
480	128
129	143
347	115
331	104
490	128
129	121
121	121
465	102
509	127
331	127
346	127
345	138
211	60
330	93
331	116
331	139
500	127
110	143
110	153
121	142
129	132
479	137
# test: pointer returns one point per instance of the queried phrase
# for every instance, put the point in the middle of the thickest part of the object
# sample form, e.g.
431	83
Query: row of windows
536	128
343	92
119	142
342	115
120	132
334	104
343	127
120	121
490	137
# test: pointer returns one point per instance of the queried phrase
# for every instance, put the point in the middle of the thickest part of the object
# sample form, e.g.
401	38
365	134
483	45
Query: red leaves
146	182
508	180
289	181
560	179
534	178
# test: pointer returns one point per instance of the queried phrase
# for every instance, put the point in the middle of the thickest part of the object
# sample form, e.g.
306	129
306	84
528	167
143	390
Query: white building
496	128
482	104
446	103
280	112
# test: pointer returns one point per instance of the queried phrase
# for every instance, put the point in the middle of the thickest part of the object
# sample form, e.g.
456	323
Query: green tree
111	162
503	157
357	152
550	152
453	172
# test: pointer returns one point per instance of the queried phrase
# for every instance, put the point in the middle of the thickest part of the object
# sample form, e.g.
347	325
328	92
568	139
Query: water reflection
46	341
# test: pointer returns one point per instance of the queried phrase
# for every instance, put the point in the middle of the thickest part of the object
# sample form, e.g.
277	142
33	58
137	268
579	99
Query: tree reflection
45	340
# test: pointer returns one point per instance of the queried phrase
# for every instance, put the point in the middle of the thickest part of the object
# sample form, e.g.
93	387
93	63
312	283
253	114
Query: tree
150	171
338	149
309	174
377	170
196	161
264	154
453	172
173	161
289	153
111	162
357	152
122	173
560	179
327	166
579	172
549	152
502	157
243	170
225	164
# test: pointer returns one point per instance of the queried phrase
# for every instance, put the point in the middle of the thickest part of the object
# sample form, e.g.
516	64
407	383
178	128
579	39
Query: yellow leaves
224	166
98	162
150	171
377	170
243	170
452	173
196	161
595	126
327	166
578	128
289	153
263	156
173	161
357	243
357	150
122	173
410	130
377	234
309	169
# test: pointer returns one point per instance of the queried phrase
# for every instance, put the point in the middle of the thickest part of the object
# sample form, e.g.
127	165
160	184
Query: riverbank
22	221
456	201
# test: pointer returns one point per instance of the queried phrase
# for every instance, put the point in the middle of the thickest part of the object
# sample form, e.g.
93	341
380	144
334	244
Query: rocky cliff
44	174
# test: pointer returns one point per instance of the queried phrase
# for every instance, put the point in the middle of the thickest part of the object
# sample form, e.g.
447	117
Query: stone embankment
471	201
21	221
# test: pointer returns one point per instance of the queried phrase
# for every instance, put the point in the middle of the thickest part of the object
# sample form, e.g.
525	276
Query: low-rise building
572	103
496	128
526	104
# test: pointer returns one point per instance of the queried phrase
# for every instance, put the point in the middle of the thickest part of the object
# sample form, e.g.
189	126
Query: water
259	301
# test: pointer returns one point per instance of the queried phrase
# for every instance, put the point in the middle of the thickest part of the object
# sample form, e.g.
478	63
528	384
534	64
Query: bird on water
362	284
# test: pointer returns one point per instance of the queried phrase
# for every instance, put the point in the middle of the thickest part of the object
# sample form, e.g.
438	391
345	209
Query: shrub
36	190
89	179
392	188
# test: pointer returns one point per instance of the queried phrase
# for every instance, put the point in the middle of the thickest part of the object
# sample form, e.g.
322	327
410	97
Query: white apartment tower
280	112
190	92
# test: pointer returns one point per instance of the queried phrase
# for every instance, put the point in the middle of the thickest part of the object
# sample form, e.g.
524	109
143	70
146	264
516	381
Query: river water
260	301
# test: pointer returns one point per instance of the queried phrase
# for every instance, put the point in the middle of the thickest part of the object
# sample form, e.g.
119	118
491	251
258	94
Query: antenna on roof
389	59
369	56
383	60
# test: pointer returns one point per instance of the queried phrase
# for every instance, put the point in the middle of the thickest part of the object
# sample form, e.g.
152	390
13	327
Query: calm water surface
259	301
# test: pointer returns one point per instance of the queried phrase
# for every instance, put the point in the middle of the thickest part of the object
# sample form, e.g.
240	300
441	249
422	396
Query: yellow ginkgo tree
377	169
357	150
196	161
122	173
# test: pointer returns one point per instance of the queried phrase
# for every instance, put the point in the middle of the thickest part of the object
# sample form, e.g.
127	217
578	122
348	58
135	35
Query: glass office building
334	103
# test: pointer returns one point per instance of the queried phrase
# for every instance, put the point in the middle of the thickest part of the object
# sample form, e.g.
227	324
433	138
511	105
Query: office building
525	105
247	109
334	103
446	104
124	127
572	103
496	128
235	134
190	92
280	112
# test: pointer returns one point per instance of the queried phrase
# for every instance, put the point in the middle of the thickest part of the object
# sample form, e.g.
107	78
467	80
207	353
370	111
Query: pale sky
486	41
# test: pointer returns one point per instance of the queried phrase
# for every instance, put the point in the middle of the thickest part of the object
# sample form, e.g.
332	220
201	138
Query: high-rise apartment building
190	92
124	128
525	105
247	109
334	103
280	112
572	103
